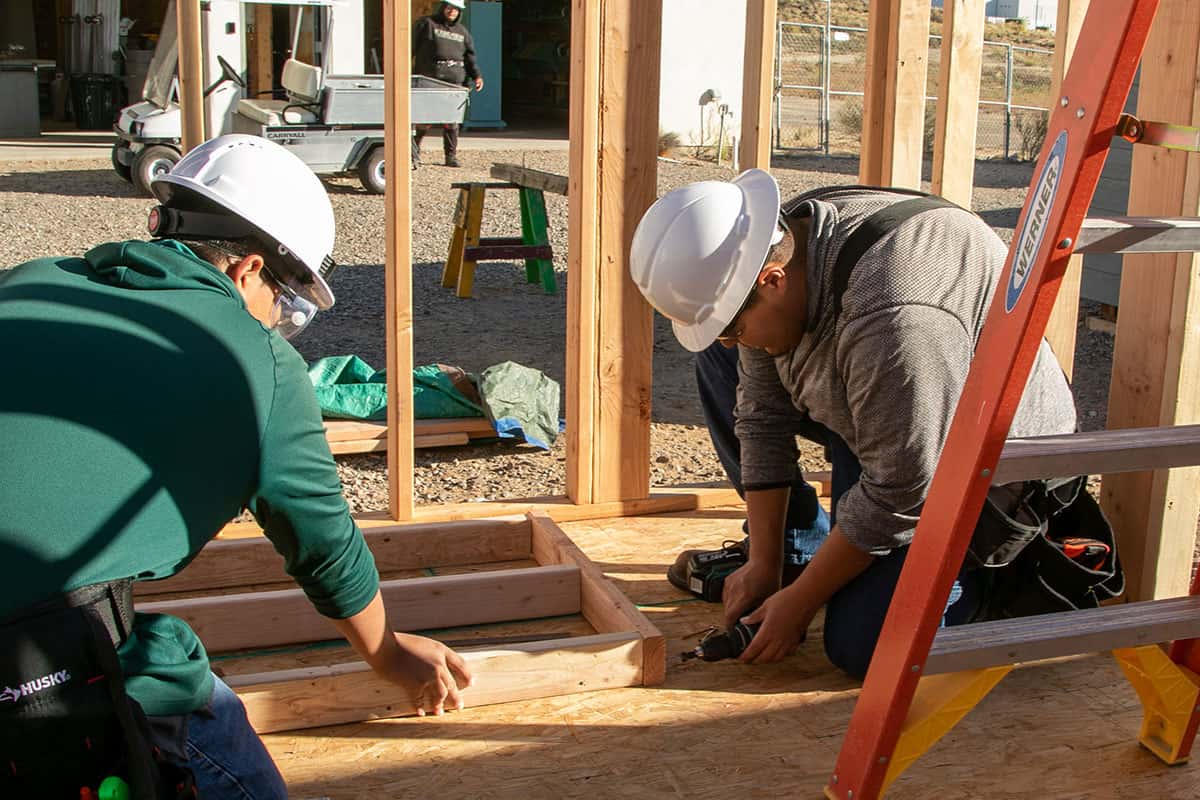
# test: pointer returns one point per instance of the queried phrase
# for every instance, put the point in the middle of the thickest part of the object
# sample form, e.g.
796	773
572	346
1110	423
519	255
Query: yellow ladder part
1170	694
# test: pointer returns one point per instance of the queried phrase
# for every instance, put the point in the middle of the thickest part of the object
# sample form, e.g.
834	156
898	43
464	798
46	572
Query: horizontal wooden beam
603	605
1139	235
310	698
348	447
228	563
1099	453
275	618
558	508
343	430
990	644
507	252
531	178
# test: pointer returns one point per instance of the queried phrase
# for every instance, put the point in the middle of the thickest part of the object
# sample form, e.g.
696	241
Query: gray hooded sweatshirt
885	375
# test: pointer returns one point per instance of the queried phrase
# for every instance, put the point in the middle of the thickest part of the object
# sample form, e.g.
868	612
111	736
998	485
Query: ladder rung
1139	235
1098	453
991	644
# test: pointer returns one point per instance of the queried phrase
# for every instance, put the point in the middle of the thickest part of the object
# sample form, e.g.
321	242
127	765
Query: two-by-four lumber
314	697
602	603
228	563
894	102
958	100
345	430
275	618
419	442
531	178
1098	453
758	85
612	180
1156	355
191	73
397	40
1060	328
1009	641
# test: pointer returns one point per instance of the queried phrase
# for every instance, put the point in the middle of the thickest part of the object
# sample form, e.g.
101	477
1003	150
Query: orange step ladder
923	680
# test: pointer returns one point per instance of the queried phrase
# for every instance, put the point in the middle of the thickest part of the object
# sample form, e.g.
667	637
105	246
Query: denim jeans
225	755
854	614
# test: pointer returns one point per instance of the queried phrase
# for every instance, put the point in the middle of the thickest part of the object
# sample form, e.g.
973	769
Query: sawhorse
467	248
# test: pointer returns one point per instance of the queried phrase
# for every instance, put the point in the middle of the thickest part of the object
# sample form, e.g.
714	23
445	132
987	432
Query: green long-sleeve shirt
142	408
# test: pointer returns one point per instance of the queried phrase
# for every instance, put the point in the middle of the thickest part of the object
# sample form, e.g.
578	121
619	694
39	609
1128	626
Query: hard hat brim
761	203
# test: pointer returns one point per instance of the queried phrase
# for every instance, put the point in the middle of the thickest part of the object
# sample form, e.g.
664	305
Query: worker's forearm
766	512
835	564
368	632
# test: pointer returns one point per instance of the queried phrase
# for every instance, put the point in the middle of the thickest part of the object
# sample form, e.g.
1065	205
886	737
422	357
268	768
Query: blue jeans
225	755
854	614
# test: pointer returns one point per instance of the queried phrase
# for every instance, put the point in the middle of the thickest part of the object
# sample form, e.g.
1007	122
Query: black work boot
452	160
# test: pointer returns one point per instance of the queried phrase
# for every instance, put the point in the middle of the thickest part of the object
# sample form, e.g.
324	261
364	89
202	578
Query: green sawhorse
467	248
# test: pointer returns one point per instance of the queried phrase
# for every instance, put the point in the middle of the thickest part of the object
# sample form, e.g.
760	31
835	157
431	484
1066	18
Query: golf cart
333	122
149	133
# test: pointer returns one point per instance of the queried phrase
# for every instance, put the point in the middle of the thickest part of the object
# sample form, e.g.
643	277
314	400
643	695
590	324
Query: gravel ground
67	207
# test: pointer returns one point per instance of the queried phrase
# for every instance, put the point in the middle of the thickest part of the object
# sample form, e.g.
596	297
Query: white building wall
702	45
1036	13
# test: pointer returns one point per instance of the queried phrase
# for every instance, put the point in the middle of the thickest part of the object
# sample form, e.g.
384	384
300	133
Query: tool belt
1044	546
66	723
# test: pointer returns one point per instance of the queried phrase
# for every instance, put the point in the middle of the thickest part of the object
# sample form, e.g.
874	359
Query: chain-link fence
820	71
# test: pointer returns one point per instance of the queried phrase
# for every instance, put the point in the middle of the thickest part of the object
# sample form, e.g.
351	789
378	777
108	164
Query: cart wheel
370	172
124	170
152	162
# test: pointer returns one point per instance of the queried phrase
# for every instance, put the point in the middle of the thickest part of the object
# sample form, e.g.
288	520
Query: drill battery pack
705	571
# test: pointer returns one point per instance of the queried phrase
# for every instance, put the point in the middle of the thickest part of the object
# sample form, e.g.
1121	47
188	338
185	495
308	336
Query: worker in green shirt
150	396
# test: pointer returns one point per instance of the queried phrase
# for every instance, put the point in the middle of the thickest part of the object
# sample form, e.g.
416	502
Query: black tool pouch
1020	543
65	720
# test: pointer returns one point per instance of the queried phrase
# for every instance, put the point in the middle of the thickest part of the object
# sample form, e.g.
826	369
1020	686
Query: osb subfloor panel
721	731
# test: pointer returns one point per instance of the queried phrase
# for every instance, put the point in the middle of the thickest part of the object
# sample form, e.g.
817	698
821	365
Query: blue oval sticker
1030	242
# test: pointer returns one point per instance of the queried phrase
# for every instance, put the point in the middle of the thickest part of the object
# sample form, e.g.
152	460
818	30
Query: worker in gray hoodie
855	313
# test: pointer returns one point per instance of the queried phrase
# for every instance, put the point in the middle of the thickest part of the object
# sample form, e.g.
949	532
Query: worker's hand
746	587
784	620
479	84
431	673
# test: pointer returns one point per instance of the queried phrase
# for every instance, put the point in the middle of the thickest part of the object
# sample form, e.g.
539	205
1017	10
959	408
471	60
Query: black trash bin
94	100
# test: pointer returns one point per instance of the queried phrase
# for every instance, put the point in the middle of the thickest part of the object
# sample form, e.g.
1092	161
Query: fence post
827	74
777	93
1008	95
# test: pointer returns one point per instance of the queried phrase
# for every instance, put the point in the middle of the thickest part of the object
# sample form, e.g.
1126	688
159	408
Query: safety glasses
291	312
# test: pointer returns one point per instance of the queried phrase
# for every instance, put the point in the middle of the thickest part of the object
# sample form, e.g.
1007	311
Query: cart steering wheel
228	73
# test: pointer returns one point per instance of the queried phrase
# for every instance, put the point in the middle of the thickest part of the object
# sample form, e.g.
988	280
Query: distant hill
853	13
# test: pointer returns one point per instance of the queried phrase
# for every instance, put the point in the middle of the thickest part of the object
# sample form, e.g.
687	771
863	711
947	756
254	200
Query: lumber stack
350	436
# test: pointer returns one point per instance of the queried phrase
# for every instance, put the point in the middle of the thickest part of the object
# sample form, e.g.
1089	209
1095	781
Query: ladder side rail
1069	168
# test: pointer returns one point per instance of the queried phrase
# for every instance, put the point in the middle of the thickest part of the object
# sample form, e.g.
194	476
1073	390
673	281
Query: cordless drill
719	645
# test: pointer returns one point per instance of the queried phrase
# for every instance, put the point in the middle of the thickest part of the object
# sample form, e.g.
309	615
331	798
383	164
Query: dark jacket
444	51
144	409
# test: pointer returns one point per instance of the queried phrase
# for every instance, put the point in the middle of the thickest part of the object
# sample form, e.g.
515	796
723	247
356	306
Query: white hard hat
459	4
269	189
698	250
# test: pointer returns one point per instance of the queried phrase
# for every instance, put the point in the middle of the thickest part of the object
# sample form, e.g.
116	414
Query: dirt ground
57	208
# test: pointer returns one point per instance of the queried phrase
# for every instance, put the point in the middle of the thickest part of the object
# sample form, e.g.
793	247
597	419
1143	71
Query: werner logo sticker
11	695
1035	224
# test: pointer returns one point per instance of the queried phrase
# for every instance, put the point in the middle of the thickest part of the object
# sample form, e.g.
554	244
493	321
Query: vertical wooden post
262	74
1064	319
958	101
191	72
397	31
615	67
894	103
758	84
1156	358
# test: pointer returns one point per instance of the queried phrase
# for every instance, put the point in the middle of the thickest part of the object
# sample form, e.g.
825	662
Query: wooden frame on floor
626	649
